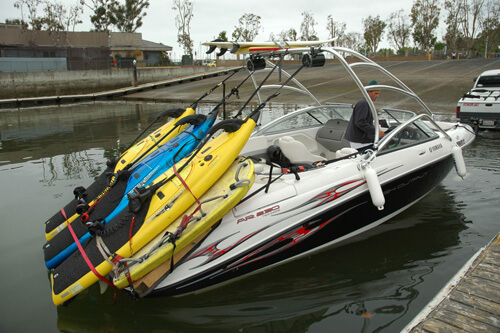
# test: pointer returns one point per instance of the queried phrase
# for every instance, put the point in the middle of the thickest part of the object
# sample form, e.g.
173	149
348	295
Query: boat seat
345	151
297	152
331	135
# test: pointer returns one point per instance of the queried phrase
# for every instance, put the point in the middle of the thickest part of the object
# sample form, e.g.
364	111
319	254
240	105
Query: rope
238	182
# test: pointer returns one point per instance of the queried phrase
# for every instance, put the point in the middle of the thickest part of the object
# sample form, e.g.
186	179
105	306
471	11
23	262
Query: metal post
223	100
135	73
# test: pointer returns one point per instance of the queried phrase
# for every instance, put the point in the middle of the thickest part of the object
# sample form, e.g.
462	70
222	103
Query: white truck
481	105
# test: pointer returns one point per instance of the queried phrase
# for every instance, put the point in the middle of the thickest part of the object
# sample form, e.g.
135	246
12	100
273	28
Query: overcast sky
212	17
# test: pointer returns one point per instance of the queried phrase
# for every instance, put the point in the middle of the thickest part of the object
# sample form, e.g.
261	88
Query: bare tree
129	16
336	30
55	14
490	34
374	29
248	28
53	21
425	19
73	18
184	10
55	18
103	16
275	38
471	20
398	29
31	17
291	34
453	34
285	35
353	40
307	27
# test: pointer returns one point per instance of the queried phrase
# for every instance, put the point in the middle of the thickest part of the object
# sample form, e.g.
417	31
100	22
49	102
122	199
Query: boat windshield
308	117
395	116
411	134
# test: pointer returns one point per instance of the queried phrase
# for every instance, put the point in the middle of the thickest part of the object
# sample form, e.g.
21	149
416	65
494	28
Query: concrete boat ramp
106	95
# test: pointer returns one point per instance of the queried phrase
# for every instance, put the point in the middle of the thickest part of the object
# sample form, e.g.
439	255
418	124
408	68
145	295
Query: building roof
133	41
14	35
152	46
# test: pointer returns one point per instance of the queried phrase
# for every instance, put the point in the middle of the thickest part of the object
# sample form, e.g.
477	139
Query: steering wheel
395	140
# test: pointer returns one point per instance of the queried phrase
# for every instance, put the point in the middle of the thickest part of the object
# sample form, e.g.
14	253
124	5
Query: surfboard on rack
260	47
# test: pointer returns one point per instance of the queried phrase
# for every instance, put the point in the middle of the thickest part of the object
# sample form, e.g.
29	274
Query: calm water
377	282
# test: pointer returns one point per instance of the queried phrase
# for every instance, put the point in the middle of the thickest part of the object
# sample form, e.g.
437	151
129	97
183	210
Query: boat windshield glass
395	116
411	134
309	117
488	81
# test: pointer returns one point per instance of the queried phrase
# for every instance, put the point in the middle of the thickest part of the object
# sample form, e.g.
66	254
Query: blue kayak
116	200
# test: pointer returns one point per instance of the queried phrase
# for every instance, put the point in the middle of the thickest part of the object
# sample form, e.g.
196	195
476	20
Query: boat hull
330	226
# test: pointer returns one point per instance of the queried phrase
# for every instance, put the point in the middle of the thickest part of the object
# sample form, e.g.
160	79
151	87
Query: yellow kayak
155	259
129	232
100	187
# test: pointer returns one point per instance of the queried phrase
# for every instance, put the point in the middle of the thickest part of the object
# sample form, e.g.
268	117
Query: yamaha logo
436	147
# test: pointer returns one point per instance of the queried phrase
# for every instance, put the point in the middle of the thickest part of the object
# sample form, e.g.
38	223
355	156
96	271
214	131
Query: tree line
471	25
53	16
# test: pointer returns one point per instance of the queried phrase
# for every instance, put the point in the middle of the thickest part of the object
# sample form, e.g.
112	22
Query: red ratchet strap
184	184
299	168
185	221
186	218
130	235
84	255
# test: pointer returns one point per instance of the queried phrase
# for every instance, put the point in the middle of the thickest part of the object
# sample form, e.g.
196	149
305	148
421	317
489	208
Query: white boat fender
459	161
374	187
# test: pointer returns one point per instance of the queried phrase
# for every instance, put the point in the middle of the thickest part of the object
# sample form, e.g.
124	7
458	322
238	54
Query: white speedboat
295	210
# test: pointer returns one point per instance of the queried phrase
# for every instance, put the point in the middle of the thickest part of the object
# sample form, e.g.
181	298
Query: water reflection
72	132
76	165
477	150
65	129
